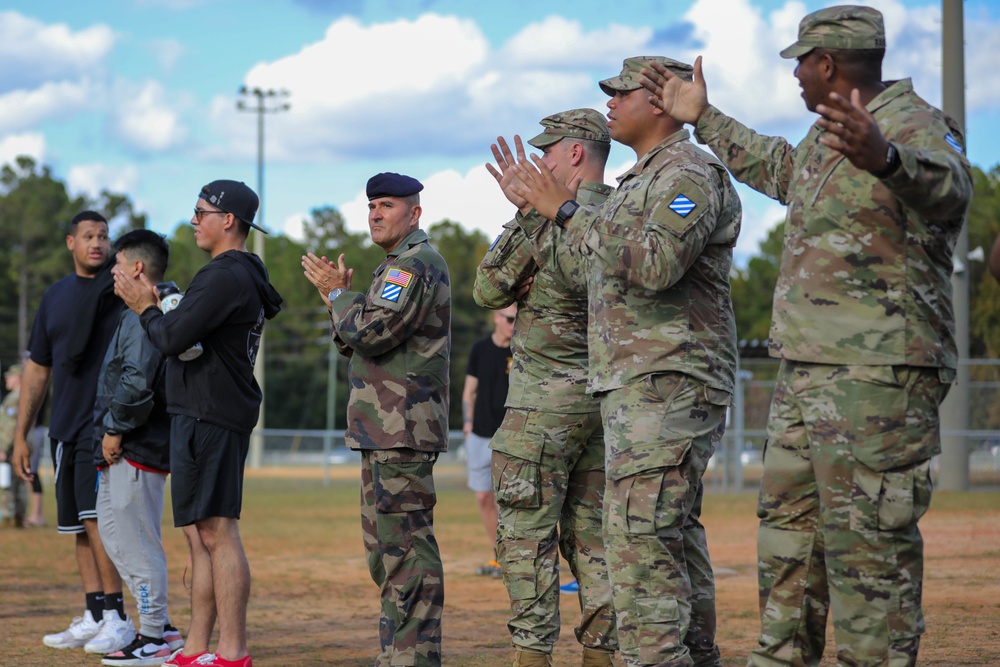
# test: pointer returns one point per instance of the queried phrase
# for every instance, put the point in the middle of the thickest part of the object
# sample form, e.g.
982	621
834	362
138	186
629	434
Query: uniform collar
415	237
643	162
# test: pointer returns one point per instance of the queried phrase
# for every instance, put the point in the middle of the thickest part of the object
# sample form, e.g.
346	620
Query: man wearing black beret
398	338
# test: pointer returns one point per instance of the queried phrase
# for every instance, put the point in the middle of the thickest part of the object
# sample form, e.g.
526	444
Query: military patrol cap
629	78
841	27
234	197
14	370
389	184
578	123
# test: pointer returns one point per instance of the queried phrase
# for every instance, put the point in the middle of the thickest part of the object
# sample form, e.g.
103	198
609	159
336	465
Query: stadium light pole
955	410
260	101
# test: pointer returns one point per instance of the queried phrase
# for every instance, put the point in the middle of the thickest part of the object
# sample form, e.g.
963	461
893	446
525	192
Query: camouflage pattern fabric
660	434
8	418
846	478
548	474
13	500
397	522
866	265
659	253
398	337
550	333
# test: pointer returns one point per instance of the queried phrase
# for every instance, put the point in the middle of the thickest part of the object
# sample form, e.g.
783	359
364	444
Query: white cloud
293	226
91	179
22	109
561	43
168	53
33	52
31	144
144	118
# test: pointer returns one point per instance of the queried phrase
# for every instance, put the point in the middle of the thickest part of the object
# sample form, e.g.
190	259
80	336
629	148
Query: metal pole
954	475
331	406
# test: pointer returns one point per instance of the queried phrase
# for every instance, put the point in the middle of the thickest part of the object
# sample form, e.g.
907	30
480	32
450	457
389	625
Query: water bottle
170	297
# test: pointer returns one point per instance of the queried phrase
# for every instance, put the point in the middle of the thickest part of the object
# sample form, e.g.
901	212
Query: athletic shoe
172	636
219	661
115	634
143	652
80	631
177	659
571	587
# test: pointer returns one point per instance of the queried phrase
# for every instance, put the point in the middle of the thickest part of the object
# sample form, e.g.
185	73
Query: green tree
753	288
984	292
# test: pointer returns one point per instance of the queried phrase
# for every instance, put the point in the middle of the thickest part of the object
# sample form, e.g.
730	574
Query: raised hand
325	275
852	131
540	188
684	101
506	177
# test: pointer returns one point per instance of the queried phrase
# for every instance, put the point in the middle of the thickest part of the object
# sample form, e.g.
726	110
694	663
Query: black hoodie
223	309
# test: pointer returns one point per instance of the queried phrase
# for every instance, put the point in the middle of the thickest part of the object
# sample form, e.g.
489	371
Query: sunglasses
200	213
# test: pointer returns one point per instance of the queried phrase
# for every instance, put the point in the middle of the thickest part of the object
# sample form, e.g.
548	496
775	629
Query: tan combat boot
594	658
532	659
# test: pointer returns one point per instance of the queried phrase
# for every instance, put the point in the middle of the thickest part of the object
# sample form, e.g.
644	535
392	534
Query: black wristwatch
566	212
892	163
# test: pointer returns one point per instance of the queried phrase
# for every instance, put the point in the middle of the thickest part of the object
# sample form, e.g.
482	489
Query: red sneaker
178	659
245	661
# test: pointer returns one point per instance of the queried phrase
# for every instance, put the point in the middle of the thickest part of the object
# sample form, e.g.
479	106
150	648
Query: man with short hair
214	403
74	323
863	323
487	376
662	358
132	451
548	454
398	338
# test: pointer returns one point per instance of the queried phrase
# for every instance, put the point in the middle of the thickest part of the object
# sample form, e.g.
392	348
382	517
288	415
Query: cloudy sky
140	96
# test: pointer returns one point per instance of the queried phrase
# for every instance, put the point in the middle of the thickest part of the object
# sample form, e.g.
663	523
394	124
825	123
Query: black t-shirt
491	366
56	323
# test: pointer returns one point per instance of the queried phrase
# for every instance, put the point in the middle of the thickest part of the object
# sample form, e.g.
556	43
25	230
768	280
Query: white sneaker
115	634
80	631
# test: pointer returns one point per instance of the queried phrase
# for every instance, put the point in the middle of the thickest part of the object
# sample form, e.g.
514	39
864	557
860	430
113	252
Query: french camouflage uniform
548	455
13	499
662	360
398	337
864	327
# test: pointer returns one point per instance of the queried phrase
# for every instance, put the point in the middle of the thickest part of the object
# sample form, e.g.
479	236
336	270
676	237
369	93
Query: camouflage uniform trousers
846	478
397	522
660	432
548	473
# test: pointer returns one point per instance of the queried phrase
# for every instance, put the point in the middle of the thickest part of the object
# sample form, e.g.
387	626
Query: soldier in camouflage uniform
863	324
548	455
13	498
398	338
662	353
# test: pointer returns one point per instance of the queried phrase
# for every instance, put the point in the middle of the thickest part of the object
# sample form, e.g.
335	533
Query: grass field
313	603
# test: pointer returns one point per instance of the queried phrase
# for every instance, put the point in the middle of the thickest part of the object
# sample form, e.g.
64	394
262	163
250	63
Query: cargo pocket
519	558
404	486
890	500
659	622
516	482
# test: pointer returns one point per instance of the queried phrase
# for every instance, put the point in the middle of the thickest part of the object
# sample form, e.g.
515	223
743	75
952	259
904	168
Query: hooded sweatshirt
223	309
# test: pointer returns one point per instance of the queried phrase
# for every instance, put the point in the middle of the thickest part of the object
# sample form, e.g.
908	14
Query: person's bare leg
488	511
203	612
231	577
89	574
110	580
35	516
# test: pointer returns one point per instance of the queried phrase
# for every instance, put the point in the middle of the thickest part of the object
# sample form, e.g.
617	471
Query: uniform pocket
404	486
516	482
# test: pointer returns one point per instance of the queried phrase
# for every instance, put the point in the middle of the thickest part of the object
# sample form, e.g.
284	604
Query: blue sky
139	96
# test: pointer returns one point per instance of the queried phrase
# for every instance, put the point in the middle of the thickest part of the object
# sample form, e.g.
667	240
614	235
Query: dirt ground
313	603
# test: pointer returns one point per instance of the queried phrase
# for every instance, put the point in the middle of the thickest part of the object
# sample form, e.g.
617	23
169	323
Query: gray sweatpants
129	514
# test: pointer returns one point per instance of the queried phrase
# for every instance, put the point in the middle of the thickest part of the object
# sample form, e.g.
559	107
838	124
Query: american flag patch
391	292
397	277
681	205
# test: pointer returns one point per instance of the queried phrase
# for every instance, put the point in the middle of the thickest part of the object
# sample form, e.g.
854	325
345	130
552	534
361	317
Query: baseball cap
840	27
233	197
629	77
14	369
578	123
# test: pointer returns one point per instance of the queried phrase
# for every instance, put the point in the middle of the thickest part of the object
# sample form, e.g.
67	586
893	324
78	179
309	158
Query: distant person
214	403
132	451
863	323
36	441
73	325
483	398
12	508
398	338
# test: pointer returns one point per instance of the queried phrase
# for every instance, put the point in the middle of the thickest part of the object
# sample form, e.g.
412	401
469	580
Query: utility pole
260	101
955	410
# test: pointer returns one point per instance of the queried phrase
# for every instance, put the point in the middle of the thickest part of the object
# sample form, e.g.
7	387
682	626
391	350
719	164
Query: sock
115	602
95	604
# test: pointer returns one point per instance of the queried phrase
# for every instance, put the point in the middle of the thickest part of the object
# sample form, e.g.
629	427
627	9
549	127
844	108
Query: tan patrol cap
629	78
578	123
840	27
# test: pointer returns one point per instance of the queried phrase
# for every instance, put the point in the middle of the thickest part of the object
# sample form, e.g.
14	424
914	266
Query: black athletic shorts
206	470
76	484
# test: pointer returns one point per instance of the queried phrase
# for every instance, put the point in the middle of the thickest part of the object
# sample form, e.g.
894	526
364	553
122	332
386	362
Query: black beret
388	184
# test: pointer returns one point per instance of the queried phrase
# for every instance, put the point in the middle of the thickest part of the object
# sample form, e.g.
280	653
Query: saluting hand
853	132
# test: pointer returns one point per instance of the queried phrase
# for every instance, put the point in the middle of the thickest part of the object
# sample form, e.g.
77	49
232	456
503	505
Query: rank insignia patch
681	205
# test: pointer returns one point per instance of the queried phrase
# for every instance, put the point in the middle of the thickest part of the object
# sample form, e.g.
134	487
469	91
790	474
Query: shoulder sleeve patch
953	142
682	206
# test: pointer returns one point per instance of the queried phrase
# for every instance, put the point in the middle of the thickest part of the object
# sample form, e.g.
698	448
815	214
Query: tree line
35	208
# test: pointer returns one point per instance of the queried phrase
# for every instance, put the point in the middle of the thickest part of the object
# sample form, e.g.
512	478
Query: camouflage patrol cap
578	123
629	78
14	370
841	27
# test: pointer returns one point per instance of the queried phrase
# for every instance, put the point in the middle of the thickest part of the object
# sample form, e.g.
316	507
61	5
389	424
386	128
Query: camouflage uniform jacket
659	253
8	419
866	266
398	337
550	335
